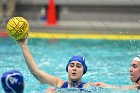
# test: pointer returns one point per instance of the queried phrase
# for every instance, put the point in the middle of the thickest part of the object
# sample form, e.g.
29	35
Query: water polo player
12	82
135	71
76	68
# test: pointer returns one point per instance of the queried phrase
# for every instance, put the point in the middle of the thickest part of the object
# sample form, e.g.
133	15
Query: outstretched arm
102	84
38	74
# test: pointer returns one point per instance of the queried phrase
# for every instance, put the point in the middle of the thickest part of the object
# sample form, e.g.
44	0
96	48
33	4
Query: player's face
134	70
75	70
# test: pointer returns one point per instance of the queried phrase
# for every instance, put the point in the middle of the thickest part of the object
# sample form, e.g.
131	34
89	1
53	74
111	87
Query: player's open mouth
73	73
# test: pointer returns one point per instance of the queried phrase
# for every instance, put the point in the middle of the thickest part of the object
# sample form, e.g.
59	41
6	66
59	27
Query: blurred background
76	27
81	16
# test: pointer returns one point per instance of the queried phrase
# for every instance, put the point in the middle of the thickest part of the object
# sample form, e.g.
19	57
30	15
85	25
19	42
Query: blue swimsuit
80	86
65	85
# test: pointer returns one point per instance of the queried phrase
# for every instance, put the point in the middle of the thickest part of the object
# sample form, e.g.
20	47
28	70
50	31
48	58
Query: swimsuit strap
81	85
65	85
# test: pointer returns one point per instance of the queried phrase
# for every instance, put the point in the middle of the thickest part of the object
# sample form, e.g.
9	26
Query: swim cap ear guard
79	59
12	82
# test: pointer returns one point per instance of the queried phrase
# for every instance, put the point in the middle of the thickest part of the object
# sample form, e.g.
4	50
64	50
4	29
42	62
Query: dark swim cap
12	82
79	59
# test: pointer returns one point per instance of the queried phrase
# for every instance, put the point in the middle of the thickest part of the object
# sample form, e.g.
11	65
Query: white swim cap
137	58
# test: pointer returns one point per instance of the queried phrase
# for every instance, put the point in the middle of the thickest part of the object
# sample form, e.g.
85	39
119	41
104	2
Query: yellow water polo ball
18	27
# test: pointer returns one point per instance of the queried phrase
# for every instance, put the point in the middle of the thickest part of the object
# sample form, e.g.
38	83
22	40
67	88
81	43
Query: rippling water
107	60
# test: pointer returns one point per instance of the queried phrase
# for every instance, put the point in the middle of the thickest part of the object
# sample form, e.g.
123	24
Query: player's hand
23	41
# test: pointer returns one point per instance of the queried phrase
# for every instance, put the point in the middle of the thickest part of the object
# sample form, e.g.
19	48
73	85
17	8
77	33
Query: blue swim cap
12	82
79	59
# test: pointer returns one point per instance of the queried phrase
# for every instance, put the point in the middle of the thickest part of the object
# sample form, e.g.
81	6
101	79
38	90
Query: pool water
107	60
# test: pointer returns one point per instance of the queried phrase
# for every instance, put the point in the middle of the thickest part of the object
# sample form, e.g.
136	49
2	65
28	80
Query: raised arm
37	73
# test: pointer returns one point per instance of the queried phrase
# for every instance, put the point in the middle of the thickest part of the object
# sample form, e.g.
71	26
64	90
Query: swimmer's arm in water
102	84
38	74
130	87
51	90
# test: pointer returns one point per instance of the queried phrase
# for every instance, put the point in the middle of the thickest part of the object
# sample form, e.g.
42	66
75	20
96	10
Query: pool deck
83	29
87	27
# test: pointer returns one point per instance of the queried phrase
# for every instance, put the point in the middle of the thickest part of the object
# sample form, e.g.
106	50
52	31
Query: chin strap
139	77
137	80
